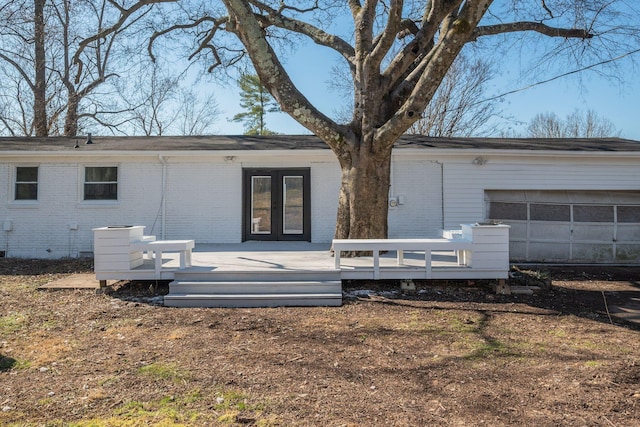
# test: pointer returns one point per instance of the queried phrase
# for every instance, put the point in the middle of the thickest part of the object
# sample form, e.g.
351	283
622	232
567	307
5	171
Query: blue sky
612	99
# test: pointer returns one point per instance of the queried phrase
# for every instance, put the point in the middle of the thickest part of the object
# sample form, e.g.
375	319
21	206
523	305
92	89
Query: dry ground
455	355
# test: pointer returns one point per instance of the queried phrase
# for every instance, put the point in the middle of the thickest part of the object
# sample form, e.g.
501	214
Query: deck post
427	263
376	264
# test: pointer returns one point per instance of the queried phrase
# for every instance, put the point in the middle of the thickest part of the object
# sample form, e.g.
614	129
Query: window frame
15	183
83	183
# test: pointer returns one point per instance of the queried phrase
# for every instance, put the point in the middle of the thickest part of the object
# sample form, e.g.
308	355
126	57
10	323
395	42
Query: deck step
255	288
253	300
199	274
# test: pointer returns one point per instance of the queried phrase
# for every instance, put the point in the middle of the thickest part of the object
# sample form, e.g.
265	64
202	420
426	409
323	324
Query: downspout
391	180
163	205
442	191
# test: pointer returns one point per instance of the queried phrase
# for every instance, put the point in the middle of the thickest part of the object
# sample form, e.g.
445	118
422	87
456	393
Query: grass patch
558	333
163	371
232	408
232	400
235	408
490	348
165	412
44	351
12	323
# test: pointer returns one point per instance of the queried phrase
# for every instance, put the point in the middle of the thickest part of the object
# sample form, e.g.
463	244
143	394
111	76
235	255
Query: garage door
569	226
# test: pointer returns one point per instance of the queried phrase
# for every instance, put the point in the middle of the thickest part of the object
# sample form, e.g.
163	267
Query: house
565	200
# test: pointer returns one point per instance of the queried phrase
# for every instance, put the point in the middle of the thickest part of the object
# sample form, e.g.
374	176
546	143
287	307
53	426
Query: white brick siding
202	201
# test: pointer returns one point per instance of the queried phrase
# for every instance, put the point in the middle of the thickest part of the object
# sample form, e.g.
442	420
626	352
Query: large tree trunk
39	91
71	119
364	193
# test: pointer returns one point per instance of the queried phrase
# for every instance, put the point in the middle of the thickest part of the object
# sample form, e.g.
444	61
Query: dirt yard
454	356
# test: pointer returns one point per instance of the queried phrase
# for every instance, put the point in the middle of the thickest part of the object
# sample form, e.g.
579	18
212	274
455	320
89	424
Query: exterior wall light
479	161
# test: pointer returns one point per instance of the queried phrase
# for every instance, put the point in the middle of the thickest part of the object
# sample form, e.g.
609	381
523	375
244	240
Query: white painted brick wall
44	229
204	202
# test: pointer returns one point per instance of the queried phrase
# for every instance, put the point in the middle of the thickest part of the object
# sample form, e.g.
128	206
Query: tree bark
71	119
40	84
364	194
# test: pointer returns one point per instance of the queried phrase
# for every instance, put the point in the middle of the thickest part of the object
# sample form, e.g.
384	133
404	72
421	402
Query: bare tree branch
125	15
388	36
216	25
532	26
19	69
319	36
274	77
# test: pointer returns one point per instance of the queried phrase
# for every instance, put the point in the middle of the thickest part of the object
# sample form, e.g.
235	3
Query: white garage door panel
589	252
549	231
630	253
516	247
545	252
593	232
518	231
628	233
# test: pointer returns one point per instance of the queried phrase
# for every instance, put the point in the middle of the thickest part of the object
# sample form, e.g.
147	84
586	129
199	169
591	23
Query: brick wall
202	200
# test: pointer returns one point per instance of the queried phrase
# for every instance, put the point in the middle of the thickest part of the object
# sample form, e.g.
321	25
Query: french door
276	204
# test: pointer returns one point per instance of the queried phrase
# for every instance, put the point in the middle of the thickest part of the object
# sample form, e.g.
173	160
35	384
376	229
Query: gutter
459	152
178	153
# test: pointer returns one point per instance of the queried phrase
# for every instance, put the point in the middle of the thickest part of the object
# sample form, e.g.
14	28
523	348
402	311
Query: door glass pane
292	202
260	205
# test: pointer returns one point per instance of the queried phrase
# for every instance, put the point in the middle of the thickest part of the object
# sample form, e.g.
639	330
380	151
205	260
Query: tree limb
317	35
413	53
391	31
197	22
522	26
19	69
455	32
544	6
124	16
273	76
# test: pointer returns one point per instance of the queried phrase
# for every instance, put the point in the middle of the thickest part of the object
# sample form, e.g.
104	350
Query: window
26	183
502	210
592	213
628	214
101	183
541	212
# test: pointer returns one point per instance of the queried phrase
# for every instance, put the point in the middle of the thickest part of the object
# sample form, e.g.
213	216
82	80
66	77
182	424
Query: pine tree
257	102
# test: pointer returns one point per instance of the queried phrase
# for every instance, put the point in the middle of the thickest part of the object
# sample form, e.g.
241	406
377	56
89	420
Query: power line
579	70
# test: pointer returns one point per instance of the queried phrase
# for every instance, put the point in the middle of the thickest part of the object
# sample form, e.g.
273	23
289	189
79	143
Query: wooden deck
256	274
294	257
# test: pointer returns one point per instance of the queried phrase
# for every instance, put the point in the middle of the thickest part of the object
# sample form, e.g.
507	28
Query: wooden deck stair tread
256	289
255	296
